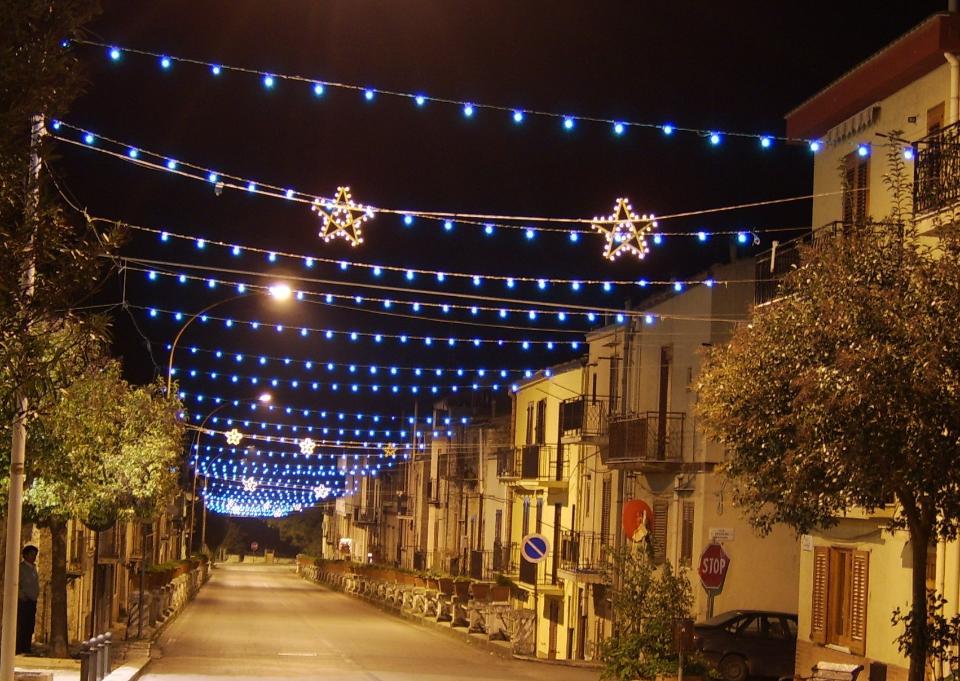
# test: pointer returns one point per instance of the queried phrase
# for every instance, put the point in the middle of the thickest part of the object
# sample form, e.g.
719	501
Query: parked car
742	643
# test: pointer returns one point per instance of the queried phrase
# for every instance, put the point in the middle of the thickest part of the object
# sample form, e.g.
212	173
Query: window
686	534
541	434
529	439
856	188
539	515
838	613
660	510
750	627
497	526
605	494
526	516
935	118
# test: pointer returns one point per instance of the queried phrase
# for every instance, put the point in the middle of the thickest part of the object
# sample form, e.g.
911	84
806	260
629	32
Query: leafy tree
844	392
303	530
648	601
101	451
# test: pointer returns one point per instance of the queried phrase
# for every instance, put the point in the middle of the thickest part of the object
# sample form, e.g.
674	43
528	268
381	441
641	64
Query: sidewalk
136	658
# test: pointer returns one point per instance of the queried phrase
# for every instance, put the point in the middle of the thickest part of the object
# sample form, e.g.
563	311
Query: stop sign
714	563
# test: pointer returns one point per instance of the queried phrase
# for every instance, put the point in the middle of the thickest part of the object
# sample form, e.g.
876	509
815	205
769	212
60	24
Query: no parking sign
534	548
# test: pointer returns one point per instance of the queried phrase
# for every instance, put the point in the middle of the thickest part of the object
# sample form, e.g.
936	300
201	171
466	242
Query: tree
647	601
844	392
102	450
304	530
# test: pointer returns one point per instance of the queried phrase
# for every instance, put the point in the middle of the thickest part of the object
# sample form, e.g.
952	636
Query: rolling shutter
818	607
660	509
859	593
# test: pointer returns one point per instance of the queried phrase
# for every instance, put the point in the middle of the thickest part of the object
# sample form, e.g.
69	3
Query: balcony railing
774	264
365	516
531	573
936	170
584	551
581	417
648	436
543	463
486	565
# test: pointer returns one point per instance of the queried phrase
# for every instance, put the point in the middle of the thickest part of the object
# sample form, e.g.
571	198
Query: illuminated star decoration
307	446
250	485
233	436
342	217
622	233
390	450
321	491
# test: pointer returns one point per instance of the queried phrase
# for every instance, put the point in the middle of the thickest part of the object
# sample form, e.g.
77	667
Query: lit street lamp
278	292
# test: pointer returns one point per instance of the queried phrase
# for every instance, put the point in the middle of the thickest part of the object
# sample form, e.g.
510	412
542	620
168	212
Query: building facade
855	574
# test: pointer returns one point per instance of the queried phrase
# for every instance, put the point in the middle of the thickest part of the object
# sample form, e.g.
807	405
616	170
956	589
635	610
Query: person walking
27	600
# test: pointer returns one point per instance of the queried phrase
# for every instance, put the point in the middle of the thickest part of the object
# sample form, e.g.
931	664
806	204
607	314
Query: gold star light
233	436
342	217
390	450
622	232
307	446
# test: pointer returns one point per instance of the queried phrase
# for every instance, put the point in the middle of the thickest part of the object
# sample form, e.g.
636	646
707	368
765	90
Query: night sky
715	66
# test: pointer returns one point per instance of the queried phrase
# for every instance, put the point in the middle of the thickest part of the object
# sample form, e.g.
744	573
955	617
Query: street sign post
713	566
533	549
254	546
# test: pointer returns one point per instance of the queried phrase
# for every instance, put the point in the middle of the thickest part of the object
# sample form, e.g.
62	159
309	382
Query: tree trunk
58	588
919	541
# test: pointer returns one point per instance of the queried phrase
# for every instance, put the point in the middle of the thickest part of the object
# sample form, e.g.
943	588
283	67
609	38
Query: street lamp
263	398
279	292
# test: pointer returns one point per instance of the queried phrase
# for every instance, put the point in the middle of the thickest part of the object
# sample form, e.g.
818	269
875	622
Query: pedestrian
27	598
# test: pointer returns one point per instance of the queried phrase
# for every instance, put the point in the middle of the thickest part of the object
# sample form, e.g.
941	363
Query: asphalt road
264	622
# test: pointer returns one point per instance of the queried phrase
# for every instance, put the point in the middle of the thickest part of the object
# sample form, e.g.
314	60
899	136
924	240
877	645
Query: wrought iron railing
583	417
775	263
584	551
936	170
647	436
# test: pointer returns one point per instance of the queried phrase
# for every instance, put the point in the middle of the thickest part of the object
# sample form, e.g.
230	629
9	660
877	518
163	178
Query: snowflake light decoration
307	446
625	231
250	485
233	436
390	450
321	491
342	217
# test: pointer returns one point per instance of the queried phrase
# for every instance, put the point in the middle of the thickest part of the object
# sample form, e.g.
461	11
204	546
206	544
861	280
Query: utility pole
11	567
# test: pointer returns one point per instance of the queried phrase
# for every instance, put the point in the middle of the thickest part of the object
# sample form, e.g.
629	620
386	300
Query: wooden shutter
859	593
541	434
818	606
605	499
686	534
660	509
856	183
529	438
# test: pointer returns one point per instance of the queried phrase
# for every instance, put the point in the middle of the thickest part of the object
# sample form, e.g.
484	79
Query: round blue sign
534	548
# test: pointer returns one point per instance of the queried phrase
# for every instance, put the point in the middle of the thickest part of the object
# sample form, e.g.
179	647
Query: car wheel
733	668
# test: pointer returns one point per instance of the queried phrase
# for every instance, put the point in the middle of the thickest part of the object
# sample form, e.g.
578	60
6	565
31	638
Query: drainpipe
954	107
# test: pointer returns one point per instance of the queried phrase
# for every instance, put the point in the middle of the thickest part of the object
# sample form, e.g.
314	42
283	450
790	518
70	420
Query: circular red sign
714	563
637	519
254	546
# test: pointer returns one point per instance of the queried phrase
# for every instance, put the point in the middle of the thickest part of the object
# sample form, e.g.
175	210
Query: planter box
480	591
499	594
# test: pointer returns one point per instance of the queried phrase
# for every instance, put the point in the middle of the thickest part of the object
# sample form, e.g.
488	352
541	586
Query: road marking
299	654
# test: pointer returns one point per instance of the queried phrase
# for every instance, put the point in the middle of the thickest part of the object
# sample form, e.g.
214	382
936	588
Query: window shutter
605	500
858	602
818	607
660	509
863	193
686	534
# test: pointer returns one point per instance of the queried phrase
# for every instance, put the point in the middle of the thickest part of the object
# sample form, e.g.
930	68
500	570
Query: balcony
486	565
936	171
583	420
544	465
646	441
776	263
584	552
365	516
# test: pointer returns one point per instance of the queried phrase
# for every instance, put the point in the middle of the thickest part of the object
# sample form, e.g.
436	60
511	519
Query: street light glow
265	397
280	291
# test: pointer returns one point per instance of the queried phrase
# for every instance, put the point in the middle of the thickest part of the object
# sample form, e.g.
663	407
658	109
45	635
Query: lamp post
263	398
279	292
